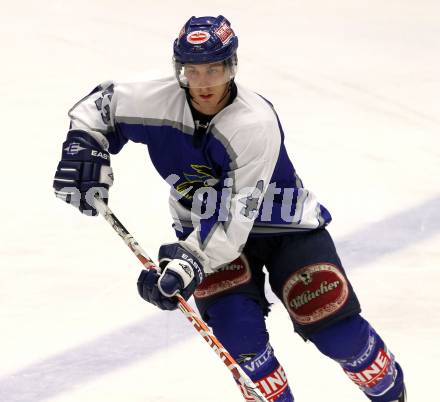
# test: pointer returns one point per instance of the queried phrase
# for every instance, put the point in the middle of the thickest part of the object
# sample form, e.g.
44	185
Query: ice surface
356	85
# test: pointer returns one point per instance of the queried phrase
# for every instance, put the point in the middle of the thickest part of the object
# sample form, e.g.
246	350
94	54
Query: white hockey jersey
238	182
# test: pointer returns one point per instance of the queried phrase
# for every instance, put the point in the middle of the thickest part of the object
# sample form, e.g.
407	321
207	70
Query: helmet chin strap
227	92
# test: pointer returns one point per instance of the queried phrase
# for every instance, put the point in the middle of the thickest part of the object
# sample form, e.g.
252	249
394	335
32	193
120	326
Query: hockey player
237	204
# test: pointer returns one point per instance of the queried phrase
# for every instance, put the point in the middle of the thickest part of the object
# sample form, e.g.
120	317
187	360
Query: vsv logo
202	177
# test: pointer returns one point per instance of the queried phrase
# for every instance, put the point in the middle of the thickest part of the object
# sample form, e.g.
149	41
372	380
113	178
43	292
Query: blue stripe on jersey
172	152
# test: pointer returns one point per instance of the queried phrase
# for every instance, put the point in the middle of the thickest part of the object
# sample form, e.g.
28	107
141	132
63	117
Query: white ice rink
357	88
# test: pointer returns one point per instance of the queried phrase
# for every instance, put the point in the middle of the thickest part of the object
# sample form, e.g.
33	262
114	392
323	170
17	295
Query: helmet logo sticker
198	37
224	32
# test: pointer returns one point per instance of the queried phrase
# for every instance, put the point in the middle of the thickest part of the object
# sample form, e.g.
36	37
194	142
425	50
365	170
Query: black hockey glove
84	170
181	273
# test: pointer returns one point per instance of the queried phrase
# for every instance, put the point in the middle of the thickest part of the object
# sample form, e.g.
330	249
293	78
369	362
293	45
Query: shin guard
267	373
238	322
363	356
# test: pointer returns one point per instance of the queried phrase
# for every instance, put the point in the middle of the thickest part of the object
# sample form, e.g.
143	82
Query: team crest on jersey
103	103
229	276
202	177
315	292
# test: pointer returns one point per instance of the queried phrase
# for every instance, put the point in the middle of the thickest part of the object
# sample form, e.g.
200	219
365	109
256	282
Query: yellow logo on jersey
202	177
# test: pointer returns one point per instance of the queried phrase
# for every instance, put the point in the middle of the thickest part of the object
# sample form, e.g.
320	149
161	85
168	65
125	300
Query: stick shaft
200	326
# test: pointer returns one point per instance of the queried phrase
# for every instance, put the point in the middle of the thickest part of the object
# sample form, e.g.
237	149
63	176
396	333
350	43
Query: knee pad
344	339
363	356
238	322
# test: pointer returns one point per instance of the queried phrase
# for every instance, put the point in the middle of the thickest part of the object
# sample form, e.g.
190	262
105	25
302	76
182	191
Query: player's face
208	85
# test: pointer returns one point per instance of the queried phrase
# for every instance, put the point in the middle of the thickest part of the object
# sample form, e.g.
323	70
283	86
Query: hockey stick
249	387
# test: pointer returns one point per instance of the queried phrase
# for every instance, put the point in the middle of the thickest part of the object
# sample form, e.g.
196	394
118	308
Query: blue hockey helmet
204	40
